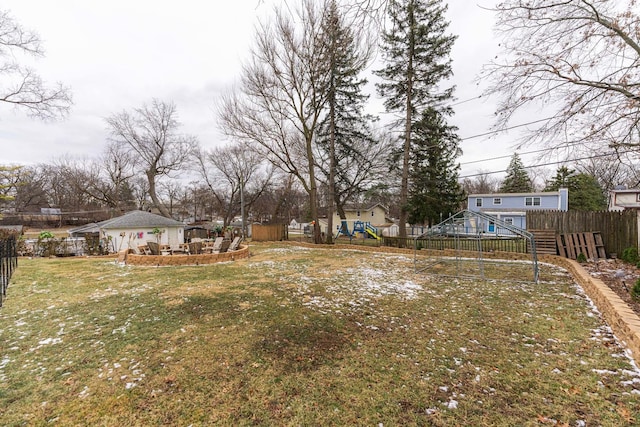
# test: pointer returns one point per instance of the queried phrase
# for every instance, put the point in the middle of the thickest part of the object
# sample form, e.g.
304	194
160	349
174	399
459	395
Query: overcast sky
116	55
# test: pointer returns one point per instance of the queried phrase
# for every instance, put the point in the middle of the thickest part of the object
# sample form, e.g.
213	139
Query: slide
372	231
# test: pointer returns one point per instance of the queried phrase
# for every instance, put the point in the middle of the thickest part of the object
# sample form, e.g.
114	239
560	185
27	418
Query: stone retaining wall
199	259
617	313
624	322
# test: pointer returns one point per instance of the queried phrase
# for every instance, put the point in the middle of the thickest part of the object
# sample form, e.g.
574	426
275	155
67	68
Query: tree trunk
332	169
343	218
404	184
313	192
151	177
282	199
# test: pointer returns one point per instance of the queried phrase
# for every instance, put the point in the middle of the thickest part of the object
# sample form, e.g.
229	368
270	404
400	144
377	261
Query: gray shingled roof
136	219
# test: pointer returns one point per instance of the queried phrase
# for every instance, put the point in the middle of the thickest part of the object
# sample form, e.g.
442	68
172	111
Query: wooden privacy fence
619	230
269	233
8	263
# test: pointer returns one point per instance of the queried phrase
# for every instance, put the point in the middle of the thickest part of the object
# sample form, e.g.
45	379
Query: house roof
626	190
352	208
542	193
92	227
136	219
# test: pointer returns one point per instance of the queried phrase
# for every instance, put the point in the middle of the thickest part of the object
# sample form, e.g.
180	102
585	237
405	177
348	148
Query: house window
357	213
479	202
372	214
638	197
508	221
532	201
497	201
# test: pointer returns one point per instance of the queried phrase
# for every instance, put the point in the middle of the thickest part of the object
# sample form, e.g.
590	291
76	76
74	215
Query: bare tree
150	134
140	192
198	202
483	183
118	167
172	193
21	86
359	168
30	194
281	97
611	170
100	183
236	178
9	179
580	60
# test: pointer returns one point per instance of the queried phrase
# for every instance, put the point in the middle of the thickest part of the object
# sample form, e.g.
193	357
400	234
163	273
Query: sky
119	55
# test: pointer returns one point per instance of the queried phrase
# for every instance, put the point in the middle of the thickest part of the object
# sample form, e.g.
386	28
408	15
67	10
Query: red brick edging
624	322
199	259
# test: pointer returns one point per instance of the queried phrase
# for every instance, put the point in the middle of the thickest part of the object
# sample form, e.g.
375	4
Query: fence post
8	263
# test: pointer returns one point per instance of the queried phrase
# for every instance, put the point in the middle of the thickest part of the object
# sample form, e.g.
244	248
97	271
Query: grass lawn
298	336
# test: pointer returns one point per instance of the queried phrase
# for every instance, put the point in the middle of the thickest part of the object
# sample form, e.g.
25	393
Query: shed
137	227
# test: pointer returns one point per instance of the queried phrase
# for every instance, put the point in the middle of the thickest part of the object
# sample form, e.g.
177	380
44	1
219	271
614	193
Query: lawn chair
195	248
235	244
144	250
154	247
217	245
223	246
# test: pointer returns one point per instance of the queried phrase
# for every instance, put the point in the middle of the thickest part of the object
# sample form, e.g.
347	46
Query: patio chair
195	247
235	244
217	245
154	247
223	246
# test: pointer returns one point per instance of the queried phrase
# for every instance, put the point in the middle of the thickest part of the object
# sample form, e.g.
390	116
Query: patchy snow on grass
375	282
287	250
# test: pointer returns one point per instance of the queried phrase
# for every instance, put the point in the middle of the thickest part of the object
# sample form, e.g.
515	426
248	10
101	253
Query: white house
621	199
136	228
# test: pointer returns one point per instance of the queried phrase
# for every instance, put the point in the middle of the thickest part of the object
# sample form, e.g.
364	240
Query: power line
548	164
489	159
509	128
465	101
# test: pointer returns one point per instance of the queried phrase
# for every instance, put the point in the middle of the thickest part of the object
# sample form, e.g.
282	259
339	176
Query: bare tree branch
278	106
21	86
579	58
150	134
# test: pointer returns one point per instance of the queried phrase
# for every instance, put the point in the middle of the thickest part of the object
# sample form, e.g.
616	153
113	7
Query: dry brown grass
298	336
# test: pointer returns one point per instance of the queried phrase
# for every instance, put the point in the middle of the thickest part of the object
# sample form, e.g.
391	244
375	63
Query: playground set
365	228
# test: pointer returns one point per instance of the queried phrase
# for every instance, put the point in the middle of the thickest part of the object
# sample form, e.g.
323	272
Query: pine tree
517	179
345	130
434	191
585	192
416	51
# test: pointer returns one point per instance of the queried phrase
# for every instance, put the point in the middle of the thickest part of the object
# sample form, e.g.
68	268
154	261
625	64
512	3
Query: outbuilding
136	228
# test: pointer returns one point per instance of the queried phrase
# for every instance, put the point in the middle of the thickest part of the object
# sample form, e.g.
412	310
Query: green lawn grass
297	336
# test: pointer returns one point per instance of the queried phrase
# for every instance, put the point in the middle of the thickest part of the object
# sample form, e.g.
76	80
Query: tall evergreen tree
434	191
585	192
416	51
517	179
345	132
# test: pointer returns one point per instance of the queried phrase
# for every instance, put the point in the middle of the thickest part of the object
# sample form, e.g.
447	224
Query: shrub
45	235
630	255
635	291
581	258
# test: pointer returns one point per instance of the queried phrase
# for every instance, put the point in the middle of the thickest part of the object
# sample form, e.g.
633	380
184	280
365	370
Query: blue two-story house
511	208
